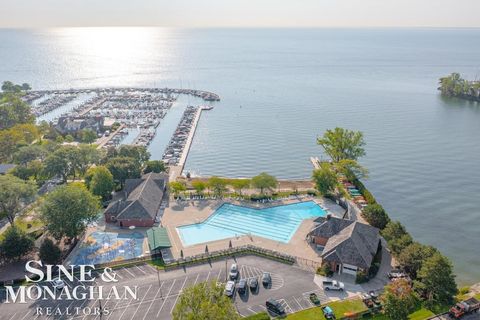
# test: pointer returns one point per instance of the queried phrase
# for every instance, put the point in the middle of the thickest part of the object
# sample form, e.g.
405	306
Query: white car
229	288
58	284
233	272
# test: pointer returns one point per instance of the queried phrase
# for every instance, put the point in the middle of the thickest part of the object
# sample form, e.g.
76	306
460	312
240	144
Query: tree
264	181
58	163
375	216
86	156
68	209
396	236
240	184
217	185
123	168
325	179
29	153
156	166
199	186
412	257
205	301
69	138
14	110
88	136
15	244
176	187
341	144
100	182
398	300
351	169
436	281
139	153
14	195
50	253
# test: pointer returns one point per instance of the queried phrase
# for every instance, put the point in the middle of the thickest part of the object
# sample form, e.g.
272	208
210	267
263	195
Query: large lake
281	88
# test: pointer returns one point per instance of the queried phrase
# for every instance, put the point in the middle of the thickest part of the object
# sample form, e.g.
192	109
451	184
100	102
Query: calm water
282	88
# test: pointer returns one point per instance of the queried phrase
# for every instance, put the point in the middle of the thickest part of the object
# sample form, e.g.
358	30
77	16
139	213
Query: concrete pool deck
190	212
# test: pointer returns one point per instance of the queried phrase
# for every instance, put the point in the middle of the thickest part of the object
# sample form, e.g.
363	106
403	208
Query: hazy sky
240	13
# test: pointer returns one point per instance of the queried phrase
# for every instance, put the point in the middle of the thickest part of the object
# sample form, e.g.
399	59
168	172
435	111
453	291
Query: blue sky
241	13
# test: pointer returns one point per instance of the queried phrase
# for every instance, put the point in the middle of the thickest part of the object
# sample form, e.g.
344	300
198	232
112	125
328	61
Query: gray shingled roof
4	167
353	242
140	199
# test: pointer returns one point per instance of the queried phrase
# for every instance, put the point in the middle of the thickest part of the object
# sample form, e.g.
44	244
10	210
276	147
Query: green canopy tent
158	239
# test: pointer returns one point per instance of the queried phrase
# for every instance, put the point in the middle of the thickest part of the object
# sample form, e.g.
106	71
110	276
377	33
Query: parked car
253	284
229	288
266	279
233	271
57	283
314	299
242	286
274	306
328	313
396	273
333	285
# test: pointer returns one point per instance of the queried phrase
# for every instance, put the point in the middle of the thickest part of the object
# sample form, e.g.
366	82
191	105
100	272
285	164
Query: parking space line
196	279
179	293
140	269
153	300
218	275
26	314
118	274
126	307
13	316
301	308
129	272
136	310
170	290
208	276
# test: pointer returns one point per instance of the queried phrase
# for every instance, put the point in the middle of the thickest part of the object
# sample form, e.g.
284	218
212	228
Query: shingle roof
353	242
140	199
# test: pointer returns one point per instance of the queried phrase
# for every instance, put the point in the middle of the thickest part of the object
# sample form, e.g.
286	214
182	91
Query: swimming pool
277	223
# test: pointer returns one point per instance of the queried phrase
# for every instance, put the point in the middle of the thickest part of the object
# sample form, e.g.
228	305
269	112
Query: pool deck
184	213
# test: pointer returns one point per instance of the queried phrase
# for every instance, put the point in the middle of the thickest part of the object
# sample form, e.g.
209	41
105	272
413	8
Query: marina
124	115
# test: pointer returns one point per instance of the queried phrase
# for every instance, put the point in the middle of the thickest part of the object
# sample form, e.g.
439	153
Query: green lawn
421	314
339	307
157	263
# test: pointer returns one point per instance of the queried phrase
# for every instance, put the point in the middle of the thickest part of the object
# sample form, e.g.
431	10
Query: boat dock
101	142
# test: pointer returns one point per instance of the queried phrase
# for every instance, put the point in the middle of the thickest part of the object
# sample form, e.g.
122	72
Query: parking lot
158	292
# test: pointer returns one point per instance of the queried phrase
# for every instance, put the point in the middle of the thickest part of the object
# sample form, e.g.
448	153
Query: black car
266	279
242	286
273	306
253	284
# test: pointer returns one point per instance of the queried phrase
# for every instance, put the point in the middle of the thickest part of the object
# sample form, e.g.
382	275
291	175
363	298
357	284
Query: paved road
156	300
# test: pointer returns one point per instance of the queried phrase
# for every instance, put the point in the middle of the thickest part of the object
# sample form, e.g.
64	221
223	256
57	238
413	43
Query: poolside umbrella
230	244
206	249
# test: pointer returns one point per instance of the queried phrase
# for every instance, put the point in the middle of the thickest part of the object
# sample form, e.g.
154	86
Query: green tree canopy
29	153
14	110
123	168
68	209
154	166
376	215
139	153
341	144
205	301
397	237
264	181
398	300
412	257
59	163
88	136
87	155
176	187
436	281
100	182
14	195
50	253
325	179
199	186
15	244
240	184
217	185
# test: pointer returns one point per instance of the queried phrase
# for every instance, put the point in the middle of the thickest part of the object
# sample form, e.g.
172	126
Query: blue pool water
277	223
